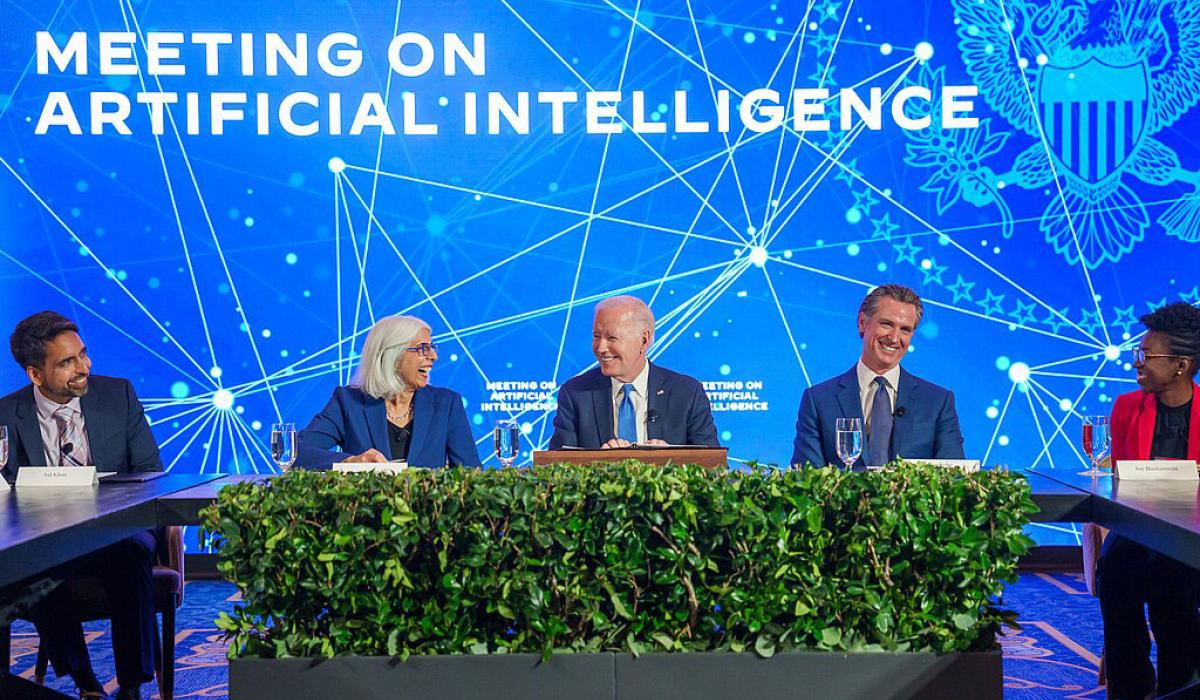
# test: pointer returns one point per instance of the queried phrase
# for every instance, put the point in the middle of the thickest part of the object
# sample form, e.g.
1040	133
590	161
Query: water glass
849	440
507	440
283	445
3	445
1097	441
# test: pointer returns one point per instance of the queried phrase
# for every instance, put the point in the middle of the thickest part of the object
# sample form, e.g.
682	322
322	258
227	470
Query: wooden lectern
711	457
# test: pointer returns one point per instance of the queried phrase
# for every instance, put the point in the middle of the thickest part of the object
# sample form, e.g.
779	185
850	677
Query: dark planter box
824	675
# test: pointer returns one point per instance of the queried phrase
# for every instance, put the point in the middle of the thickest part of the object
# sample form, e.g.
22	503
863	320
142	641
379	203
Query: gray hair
638	312
381	352
900	293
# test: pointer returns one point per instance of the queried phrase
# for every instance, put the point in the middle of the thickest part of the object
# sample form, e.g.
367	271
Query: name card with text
385	467
57	476
1157	469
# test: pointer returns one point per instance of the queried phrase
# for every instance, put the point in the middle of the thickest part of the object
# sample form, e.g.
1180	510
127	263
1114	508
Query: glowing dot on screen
1003	440
1112	352
992	412
1023	62
290	258
1003	363
443	101
454	357
336	165
283	353
1042	59
223	399
81	186
180	390
853	215
924	51
256	425
215	372
882	267
1018	372
748	37
725	370
83	250
726	435
266	332
1064	404
526	428
240	410
758	256
812	26
249	221
926	264
751	230
853	249
885	49
996	250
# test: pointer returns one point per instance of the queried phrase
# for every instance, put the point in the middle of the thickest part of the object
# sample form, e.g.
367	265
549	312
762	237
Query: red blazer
1132	425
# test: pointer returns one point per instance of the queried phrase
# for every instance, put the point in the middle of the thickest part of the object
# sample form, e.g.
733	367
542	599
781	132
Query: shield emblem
1094	114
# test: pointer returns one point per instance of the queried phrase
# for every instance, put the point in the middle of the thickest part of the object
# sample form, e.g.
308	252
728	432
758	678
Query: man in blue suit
628	400
903	416
68	417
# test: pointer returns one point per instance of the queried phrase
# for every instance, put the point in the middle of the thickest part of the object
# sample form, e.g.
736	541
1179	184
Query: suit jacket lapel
96	426
658	399
849	397
907	398
422	408
602	403
29	433
1145	425
375	414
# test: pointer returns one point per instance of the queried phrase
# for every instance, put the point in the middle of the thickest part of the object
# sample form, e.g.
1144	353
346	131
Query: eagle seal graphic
1092	83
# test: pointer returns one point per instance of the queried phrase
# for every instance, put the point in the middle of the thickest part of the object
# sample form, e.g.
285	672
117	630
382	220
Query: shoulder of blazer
582	382
24	395
675	379
831	385
441	395
927	387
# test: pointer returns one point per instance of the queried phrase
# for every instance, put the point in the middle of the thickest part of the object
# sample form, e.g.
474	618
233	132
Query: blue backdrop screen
233	275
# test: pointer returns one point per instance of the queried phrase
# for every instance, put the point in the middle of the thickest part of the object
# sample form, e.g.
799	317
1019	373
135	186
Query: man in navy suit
69	417
628	400
903	416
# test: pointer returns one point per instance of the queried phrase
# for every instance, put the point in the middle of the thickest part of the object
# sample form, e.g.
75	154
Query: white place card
1157	470
969	466
57	476
385	467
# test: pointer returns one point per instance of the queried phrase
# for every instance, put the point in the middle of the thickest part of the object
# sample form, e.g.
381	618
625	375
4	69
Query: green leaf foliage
623	557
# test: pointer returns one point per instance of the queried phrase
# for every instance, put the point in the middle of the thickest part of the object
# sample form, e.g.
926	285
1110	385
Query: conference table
43	529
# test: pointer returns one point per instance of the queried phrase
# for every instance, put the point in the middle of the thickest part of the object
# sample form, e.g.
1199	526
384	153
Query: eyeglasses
1140	355
424	349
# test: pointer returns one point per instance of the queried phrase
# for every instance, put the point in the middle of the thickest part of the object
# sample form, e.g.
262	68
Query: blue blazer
926	424
677	411
119	436
356	422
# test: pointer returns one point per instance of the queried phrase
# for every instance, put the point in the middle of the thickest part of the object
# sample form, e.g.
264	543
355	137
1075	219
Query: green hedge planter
626	558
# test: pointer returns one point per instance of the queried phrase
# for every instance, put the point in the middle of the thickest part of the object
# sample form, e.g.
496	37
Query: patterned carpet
1055	655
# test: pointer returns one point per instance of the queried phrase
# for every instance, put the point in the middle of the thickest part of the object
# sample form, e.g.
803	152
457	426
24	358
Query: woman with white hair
390	412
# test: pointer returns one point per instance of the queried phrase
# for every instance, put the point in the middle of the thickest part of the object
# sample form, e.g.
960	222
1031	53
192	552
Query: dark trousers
125	572
1132	577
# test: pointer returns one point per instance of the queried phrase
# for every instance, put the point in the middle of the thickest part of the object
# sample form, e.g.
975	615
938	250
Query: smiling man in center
627	399
905	416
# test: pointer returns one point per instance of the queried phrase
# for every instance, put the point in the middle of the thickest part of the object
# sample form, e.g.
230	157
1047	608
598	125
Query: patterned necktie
68	436
880	438
627	416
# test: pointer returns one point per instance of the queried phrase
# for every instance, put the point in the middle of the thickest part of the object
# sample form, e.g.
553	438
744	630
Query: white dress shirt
49	427
637	396
866	390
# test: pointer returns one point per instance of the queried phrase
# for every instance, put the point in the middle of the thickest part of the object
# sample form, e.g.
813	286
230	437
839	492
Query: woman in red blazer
1160	421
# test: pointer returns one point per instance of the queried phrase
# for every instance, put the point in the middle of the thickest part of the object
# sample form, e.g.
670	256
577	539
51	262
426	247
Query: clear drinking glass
507	439
849	440
283	445
1097	441
3	445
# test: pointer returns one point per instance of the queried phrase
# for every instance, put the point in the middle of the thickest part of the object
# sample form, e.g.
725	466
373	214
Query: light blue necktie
880	438
627	416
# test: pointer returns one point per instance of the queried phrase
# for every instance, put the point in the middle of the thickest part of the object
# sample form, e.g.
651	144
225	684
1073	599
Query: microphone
651	416
66	449
899	411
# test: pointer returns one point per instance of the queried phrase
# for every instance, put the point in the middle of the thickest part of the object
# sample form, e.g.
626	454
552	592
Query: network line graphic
234	277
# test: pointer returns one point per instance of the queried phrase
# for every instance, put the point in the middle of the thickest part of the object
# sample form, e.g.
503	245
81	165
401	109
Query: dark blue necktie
627	416
881	425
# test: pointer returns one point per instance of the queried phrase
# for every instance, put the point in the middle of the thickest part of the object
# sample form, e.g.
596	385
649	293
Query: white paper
1156	470
969	466
74	477
385	467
